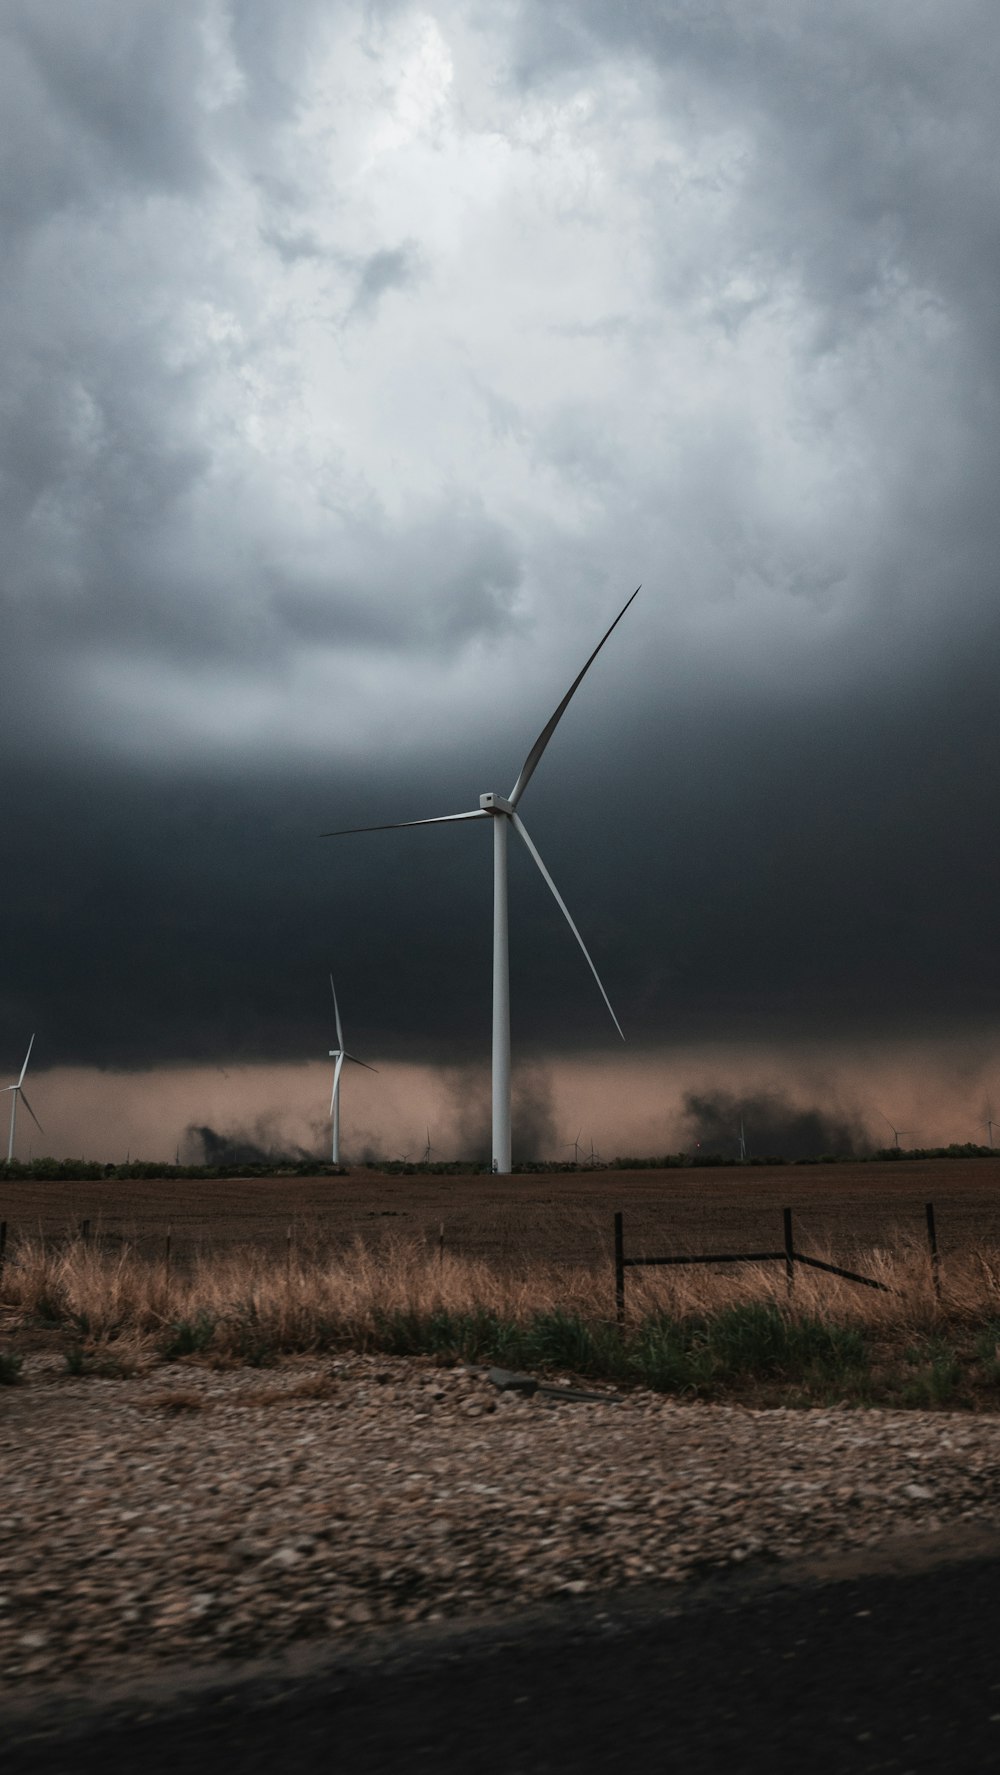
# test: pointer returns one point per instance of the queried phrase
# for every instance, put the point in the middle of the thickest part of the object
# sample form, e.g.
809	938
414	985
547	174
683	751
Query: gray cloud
391	268
706	299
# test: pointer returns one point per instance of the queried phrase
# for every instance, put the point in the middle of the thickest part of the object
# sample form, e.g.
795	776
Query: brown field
551	1218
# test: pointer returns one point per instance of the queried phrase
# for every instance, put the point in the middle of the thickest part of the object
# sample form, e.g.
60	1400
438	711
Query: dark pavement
889	1672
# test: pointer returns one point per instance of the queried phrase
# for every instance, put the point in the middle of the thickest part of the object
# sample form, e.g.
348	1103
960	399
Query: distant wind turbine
575	1144
428	1149
988	1124
18	1091
896	1131
338	1055
743	1144
503	812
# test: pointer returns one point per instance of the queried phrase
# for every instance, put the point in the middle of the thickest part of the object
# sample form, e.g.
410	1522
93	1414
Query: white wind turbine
338	1055
504	813
18	1091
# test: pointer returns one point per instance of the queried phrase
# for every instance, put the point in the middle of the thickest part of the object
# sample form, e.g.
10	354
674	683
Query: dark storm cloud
770	1126
532	1113
266	573
259	1145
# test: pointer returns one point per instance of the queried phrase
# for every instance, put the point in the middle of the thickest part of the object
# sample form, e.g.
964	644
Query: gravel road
192	1514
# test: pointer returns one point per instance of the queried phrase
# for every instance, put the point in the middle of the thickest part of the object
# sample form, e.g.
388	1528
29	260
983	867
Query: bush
189	1337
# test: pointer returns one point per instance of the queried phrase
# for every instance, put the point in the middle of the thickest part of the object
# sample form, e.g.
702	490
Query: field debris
507	1381
363	1492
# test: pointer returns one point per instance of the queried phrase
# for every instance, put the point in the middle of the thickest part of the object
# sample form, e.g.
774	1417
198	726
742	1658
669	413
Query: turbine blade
363	1063
337	1070
521	830
30	1111
336	1012
478	813
528	767
27	1057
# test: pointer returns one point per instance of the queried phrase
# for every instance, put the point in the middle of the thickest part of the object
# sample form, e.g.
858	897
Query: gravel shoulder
190	1515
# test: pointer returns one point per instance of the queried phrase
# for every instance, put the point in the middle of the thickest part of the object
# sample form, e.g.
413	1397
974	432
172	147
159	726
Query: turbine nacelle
495	804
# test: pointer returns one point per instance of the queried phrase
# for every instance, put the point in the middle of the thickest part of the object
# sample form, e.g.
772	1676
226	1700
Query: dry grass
687	1328
308	1301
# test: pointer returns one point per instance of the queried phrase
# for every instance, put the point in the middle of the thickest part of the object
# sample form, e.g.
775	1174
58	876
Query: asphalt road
893	1672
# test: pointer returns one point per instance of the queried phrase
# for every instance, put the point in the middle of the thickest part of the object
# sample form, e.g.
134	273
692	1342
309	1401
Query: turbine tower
18	1091
338	1055
503	812
896	1131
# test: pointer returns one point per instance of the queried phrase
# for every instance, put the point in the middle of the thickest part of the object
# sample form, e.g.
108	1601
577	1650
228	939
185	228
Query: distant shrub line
55	1170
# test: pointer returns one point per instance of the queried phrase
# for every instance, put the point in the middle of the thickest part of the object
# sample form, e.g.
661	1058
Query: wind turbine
338	1055
896	1131
575	1144
18	1091
428	1149
743	1144
503	812
988	1124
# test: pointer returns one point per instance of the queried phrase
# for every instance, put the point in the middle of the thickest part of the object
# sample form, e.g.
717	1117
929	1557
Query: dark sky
359	362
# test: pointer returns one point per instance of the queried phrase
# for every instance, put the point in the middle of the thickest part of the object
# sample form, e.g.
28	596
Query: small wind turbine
18	1091
428	1149
575	1144
338	1055
504	813
896	1131
988	1124
743	1144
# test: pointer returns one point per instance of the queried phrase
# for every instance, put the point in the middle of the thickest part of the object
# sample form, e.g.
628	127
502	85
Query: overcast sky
359	360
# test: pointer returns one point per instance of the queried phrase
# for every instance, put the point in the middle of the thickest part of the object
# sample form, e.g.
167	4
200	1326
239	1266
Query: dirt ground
564	1217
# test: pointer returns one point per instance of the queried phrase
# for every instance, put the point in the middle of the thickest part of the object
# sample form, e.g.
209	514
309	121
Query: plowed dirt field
562	1217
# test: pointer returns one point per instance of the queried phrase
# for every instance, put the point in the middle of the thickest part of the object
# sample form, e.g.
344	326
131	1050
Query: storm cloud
359	363
767	1124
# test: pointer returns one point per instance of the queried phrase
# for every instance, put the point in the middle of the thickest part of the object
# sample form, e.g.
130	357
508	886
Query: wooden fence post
619	1269
932	1246
789	1250
85	1230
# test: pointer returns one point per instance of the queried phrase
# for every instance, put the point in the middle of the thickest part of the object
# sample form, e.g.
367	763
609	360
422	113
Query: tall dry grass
310	1299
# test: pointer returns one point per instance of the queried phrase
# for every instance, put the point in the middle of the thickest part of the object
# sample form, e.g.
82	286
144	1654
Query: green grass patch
705	1355
189	1337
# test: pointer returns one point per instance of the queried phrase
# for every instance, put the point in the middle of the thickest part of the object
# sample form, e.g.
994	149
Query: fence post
619	1269
3	1244
441	1244
85	1230
932	1246
789	1250
166	1262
